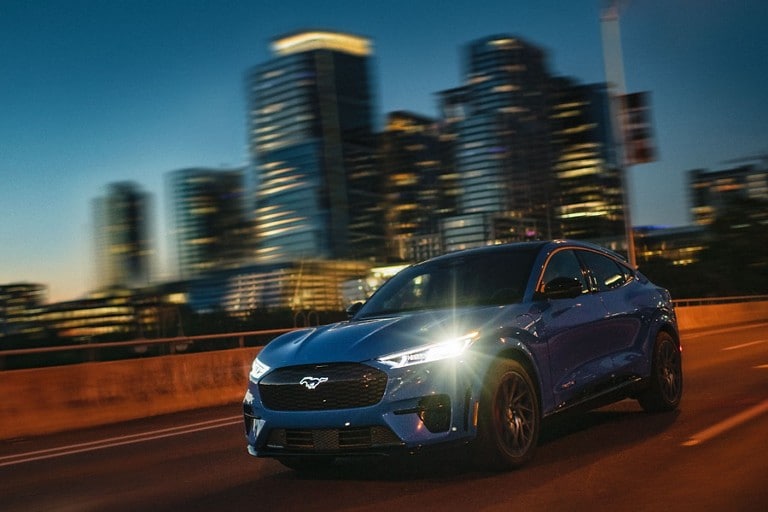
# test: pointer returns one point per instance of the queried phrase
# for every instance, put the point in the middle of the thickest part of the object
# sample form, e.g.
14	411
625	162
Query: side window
564	264
607	274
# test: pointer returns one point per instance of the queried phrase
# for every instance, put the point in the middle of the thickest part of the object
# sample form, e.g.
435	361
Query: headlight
435	352
257	370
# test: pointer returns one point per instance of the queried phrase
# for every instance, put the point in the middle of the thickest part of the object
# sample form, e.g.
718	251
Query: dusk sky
94	92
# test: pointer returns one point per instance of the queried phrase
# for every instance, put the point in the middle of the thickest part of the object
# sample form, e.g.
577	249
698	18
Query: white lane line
725	425
9	460
702	334
744	345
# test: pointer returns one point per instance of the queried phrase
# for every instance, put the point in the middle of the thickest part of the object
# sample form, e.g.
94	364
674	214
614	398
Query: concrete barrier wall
721	315
46	400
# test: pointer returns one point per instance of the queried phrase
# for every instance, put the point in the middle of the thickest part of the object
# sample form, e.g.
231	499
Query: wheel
509	417
665	388
309	464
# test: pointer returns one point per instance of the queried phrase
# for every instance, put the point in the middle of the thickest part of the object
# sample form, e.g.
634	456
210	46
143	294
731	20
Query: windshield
479	279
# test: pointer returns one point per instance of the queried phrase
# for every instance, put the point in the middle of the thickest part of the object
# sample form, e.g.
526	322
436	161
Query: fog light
435	412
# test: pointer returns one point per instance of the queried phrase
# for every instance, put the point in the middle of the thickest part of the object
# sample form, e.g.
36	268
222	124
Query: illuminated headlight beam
258	369
429	353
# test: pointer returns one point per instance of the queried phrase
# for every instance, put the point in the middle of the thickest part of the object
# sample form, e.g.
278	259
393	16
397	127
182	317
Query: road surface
711	455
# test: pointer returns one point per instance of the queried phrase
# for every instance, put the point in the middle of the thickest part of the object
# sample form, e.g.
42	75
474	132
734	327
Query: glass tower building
504	139
500	121
713	191
419	186
311	136
588	203
533	152
209	219
121	219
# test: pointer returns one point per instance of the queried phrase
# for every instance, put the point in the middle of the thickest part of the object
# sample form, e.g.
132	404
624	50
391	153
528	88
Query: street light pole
614	75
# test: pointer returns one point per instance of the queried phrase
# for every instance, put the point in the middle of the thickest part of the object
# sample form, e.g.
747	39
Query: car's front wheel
509	417
665	388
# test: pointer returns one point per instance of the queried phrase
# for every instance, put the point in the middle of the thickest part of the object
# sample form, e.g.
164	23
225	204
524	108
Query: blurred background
198	167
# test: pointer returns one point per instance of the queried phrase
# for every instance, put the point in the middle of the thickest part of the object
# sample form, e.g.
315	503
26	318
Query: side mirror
563	288
353	309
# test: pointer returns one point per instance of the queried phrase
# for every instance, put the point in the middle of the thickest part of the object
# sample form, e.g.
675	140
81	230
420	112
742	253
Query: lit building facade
20	307
677	246
499	123
419	187
711	191
311	136
122	232
313	285
210	227
307	285
587	199
92	318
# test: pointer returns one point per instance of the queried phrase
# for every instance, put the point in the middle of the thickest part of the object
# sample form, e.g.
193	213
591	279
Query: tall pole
614	76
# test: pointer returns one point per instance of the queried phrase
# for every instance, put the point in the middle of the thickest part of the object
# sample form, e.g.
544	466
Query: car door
580	350
614	283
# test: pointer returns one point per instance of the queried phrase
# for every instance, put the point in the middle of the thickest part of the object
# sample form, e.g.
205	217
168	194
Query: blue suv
471	347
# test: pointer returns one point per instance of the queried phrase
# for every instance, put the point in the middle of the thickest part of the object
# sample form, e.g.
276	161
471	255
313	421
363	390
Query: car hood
364	340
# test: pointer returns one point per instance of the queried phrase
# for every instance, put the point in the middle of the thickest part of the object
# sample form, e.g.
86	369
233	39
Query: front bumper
422	405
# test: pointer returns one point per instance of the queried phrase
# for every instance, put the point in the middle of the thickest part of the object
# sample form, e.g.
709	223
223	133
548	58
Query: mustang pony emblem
312	382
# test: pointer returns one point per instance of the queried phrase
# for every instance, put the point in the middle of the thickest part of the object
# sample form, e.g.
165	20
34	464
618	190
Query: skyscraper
122	231
713	191
533	152
209	222
500	120
312	141
587	201
419	187
20	306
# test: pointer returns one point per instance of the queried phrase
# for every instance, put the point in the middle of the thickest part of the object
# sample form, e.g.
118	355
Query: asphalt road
710	455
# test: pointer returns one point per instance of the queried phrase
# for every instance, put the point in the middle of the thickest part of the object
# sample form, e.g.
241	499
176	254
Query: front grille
331	439
322	387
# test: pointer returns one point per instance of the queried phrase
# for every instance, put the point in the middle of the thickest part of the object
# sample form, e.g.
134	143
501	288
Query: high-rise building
502	153
311	136
20	307
419	188
588	200
210	227
712	191
123	248
533	152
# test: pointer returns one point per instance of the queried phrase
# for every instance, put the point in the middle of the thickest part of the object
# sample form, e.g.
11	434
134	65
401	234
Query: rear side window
564	264
606	274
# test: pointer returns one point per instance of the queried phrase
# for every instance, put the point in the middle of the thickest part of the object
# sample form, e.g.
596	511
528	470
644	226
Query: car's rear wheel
665	388
509	417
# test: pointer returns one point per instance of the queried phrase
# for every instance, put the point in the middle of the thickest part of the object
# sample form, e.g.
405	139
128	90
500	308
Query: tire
509	418
665	388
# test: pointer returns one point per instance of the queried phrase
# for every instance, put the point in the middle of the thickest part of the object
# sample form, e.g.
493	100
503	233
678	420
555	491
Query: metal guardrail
177	340
707	301
109	351
117	350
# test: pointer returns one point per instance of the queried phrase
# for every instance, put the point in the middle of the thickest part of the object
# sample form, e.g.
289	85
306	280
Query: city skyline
102	93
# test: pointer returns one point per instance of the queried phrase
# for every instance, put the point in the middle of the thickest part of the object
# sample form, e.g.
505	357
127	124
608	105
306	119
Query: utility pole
614	76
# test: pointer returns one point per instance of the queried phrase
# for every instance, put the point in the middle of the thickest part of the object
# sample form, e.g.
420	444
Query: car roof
490	249
537	245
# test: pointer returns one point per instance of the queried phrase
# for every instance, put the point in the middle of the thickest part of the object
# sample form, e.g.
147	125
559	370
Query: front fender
532	353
